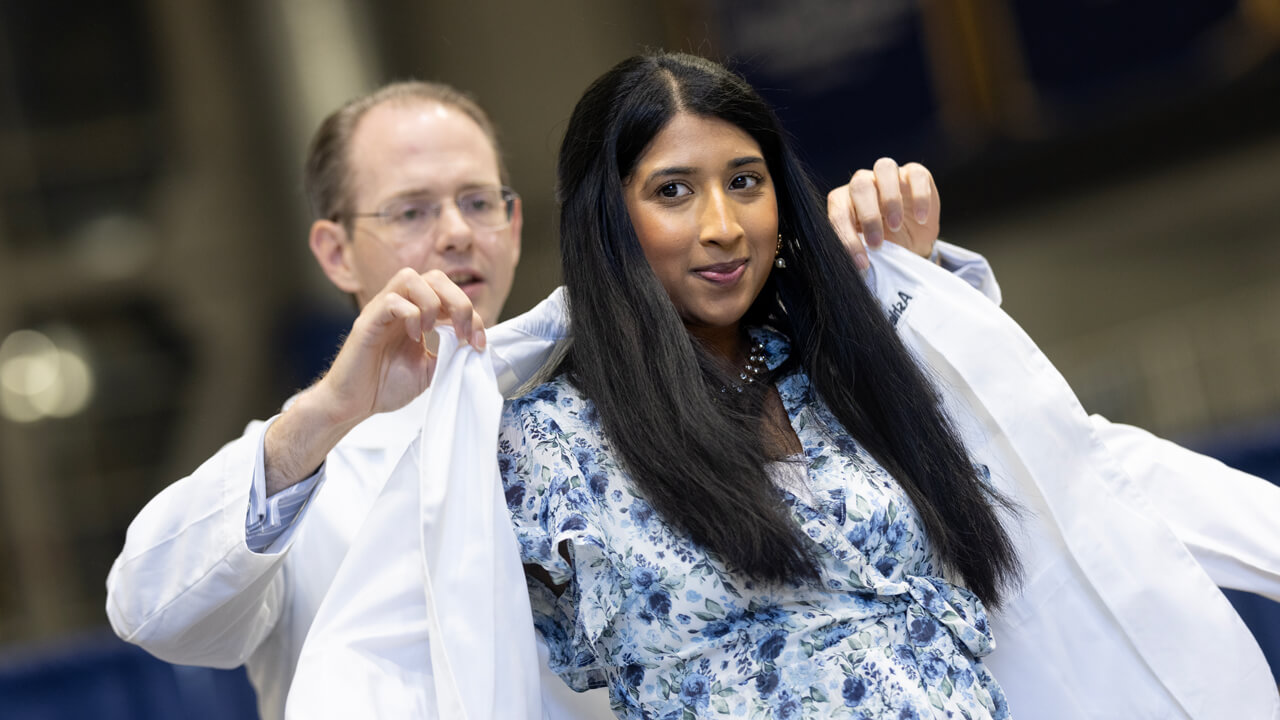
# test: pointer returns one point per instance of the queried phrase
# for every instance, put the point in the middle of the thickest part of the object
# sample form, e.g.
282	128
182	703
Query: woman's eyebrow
667	171
689	170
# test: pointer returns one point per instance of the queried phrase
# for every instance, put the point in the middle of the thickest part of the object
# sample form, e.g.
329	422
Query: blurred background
1118	161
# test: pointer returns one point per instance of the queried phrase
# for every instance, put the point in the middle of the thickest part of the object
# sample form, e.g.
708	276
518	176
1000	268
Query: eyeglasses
415	216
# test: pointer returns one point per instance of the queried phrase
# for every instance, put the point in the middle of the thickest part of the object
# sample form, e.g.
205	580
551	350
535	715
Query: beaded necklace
753	367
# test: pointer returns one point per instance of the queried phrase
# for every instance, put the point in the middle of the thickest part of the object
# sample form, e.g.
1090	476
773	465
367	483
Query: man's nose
453	232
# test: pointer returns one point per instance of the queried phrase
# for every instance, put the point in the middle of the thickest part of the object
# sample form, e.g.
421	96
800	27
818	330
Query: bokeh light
44	375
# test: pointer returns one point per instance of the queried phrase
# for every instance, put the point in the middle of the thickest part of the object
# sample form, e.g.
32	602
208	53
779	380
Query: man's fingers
455	306
478	340
866	207
840	213
430	299
917	184
415	290
396	307
887	181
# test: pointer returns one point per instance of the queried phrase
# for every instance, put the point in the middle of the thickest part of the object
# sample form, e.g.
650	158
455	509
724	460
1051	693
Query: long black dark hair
698	459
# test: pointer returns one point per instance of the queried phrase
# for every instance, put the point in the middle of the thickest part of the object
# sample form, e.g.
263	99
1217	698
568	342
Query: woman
739	494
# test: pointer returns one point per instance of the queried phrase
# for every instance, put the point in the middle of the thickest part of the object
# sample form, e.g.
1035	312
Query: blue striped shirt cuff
268	518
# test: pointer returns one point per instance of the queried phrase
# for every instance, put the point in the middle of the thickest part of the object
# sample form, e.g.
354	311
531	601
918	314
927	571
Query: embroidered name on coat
899	307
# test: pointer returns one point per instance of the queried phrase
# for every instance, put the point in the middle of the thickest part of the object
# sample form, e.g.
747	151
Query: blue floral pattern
675	636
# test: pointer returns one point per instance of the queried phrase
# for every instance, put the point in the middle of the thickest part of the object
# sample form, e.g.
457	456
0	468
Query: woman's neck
726	343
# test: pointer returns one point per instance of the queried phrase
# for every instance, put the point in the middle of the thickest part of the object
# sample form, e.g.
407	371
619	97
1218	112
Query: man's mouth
462	279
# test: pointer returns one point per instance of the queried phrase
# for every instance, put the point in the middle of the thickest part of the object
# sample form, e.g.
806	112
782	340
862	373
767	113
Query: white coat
187	589
1124	535
1111	623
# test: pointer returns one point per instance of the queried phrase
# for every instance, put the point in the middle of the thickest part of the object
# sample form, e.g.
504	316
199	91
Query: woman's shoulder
549	394
553	428
556	399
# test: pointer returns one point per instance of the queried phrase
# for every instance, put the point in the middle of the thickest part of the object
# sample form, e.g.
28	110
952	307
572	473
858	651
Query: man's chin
478	292
482	299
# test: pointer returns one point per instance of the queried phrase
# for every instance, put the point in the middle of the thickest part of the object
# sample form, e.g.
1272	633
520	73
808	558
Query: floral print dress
675	636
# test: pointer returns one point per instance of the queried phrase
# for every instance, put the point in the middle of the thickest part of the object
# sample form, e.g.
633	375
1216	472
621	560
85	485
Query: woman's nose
719	220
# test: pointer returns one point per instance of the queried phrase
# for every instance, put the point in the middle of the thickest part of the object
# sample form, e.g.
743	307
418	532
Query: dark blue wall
101	677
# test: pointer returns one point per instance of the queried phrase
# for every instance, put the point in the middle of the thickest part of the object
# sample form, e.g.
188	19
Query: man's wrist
298	441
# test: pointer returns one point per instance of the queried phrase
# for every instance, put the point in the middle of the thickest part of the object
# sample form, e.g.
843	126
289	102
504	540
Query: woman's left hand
897	202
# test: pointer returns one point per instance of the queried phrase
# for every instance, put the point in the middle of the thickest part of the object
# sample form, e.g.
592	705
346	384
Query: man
229	565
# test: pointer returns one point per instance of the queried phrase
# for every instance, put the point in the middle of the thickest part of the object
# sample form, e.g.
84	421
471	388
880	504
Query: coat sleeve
969	266
1230	520
186	587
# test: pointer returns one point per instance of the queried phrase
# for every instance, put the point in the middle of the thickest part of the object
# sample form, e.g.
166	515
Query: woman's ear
329	243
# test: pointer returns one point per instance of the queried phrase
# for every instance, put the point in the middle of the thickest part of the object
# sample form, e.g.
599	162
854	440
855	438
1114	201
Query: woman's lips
722	273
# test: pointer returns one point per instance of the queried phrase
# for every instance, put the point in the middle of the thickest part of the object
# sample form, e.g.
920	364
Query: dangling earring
779	261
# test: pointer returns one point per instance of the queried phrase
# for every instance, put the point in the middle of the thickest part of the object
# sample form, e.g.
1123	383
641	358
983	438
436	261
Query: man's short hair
327	176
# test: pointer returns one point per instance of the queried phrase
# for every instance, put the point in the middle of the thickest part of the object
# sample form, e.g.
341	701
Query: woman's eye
673	190
744	182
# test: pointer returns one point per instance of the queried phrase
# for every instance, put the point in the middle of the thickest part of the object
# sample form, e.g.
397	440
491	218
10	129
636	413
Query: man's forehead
422	145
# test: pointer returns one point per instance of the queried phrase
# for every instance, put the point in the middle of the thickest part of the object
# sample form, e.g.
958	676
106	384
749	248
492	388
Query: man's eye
408	214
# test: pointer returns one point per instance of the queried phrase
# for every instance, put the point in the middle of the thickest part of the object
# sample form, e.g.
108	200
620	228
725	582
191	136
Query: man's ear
329	244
